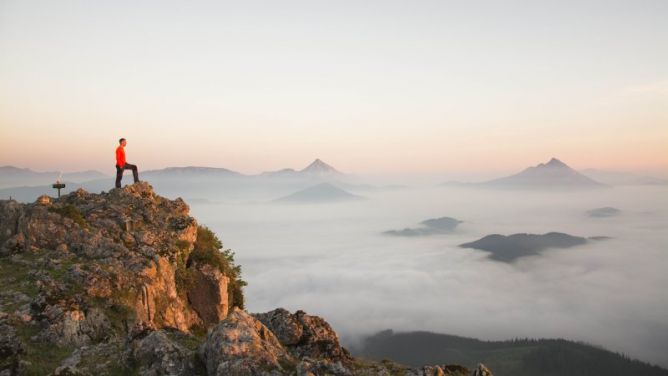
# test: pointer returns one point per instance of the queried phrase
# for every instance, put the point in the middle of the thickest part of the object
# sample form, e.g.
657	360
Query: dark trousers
119	173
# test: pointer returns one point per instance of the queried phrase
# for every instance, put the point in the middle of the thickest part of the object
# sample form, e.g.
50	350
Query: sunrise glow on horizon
369	87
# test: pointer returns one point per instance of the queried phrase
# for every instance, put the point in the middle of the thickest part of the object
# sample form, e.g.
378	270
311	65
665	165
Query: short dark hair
121	140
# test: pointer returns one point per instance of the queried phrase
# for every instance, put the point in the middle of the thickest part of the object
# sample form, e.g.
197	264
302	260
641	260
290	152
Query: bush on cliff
209	250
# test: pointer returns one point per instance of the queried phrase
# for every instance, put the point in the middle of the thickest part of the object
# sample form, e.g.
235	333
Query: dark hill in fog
604	212
509	248
519	357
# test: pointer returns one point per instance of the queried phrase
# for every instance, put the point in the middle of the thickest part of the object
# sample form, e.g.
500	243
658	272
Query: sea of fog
332	260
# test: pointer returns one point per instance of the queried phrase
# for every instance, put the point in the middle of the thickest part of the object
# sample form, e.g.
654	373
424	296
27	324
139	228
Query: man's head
122	142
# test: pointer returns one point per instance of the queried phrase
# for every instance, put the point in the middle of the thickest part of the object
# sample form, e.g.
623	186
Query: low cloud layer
333	261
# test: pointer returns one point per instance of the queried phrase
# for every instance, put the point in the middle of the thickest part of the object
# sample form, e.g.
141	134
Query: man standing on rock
121	165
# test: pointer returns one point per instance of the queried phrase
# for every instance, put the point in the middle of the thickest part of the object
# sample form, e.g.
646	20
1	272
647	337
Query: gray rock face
287	328
482	371
10	348
75	327
305	335
242	345
281	343
156	355
121	247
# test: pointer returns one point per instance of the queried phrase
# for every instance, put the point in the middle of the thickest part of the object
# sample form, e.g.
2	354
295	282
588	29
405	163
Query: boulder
157	355
305	335
242	345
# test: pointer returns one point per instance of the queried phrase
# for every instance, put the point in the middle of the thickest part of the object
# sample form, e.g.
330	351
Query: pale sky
368	86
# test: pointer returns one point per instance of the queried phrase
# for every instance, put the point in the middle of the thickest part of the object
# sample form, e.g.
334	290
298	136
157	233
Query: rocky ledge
126	282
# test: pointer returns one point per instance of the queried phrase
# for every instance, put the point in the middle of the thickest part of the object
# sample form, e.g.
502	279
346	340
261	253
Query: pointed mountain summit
555	163
318	167
553	174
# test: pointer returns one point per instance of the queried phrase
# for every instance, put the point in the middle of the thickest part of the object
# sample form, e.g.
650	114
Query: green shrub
182	245
71	212
183	278
208	250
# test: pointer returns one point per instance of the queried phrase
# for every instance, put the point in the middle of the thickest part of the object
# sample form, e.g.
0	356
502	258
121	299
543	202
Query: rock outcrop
127	282
304	335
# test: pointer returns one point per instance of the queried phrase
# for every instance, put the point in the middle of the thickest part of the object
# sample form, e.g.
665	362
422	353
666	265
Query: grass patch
71	212
41	357
16	276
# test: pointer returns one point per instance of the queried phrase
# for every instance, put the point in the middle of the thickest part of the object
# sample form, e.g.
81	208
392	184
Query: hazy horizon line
658	171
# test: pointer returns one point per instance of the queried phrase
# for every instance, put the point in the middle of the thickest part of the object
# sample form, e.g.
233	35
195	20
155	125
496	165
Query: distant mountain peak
554	162
320	167
553	174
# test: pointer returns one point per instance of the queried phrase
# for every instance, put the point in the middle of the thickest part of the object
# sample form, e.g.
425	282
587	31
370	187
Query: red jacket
120	156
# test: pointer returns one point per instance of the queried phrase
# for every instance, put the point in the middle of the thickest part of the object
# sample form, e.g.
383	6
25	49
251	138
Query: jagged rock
10	349
242	345
75	328
135	270
10	240
283	324
440	370
309	366
209	297
99	359
158	302
482	371
156	355
305	335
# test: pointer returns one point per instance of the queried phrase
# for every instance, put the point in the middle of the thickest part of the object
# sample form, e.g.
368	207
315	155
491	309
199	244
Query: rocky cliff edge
127	282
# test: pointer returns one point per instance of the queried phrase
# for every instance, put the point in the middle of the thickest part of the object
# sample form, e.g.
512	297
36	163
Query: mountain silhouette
604	212
510	248
318	167
553	174
516	357
11	176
